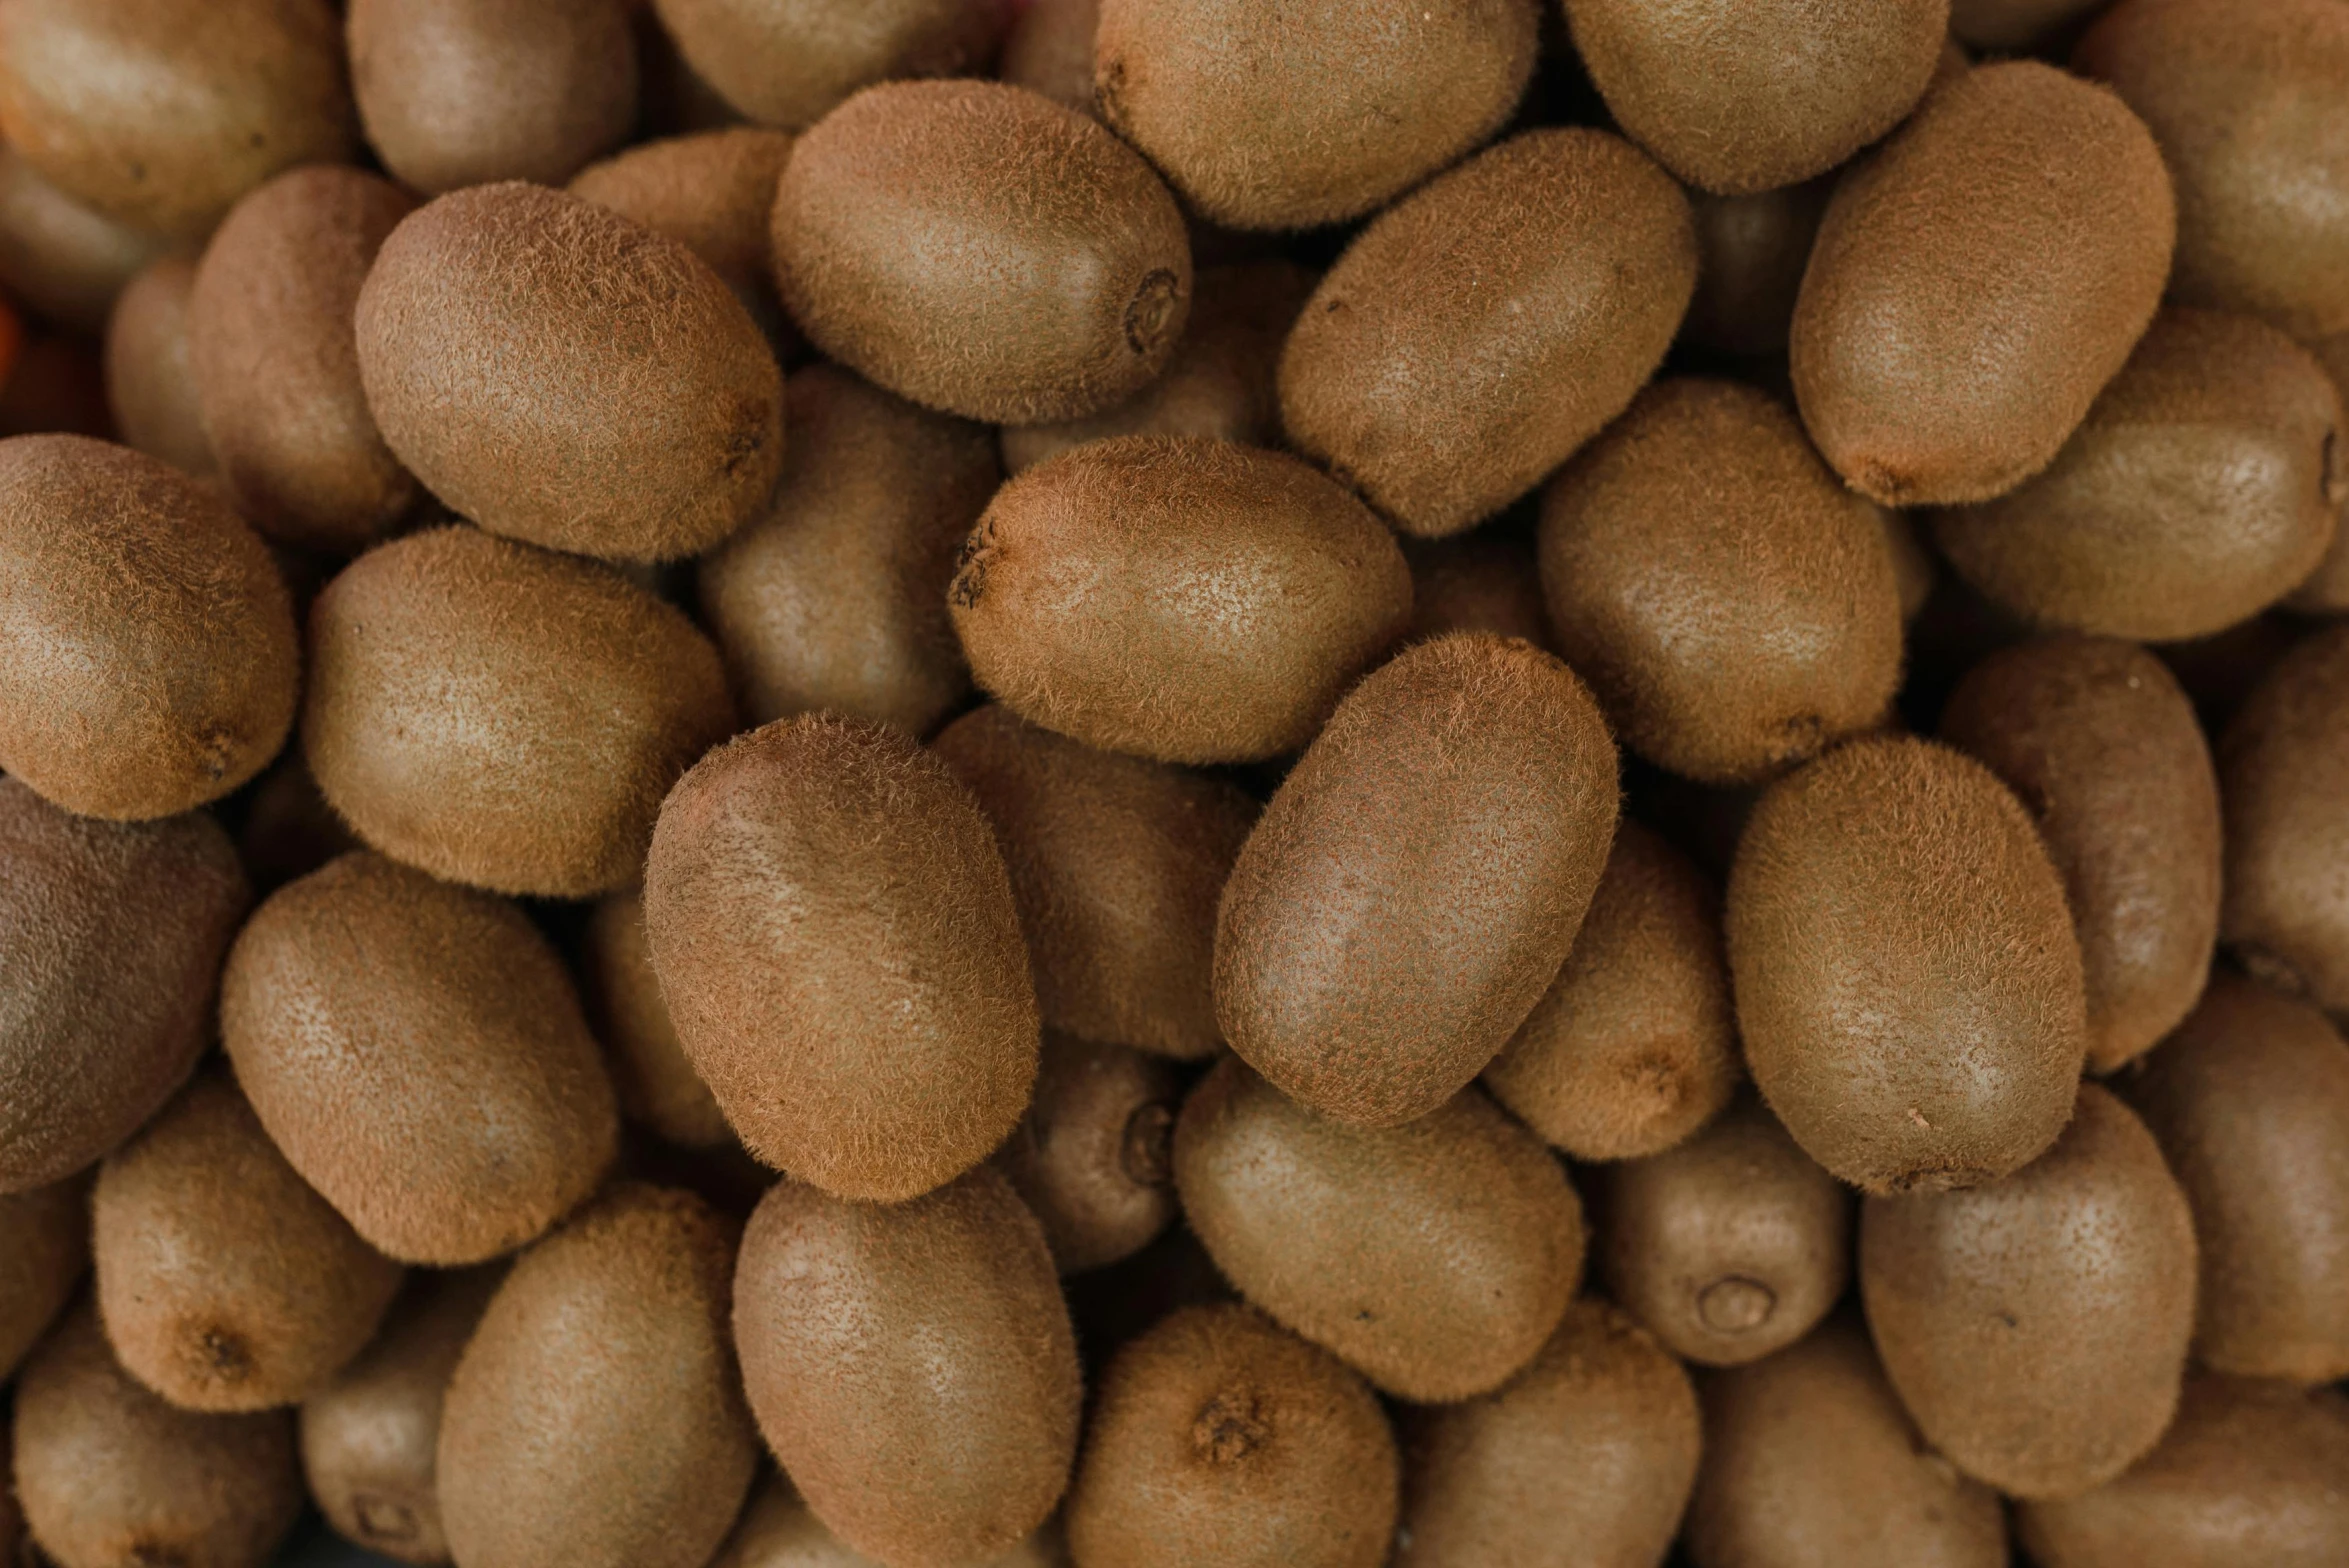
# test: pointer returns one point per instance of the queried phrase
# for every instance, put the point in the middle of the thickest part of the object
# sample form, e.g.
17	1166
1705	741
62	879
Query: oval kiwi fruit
791	62
911	1365
1908	985
1487	580
655	1081
45	1238
417	1051
1050	48
1751	253
150	387
884	1039
1975	284
711	192
1093	1156
60	257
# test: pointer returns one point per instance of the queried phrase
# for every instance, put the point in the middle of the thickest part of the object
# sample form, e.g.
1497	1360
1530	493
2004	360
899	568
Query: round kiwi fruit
150	387
791	62
1050	50
883	1039
656	1083
981	250
147	651
779	1530
1435	1258
1751	252
1487	580
911	1365
45	1236
2325	591
1908	986
1976	282
1093	1156
63	259
416	1050
711	192
833	598
2016	26
1487	325
505	716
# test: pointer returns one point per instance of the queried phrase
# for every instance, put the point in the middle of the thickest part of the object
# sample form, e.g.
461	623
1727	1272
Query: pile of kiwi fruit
1174	783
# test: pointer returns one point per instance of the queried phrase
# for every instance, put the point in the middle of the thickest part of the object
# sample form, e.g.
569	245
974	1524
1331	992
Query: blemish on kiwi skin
970	566
384	1518
2277	974
1150	315
225	1355
1147	1151
1230	1428
1736	1305
2335	474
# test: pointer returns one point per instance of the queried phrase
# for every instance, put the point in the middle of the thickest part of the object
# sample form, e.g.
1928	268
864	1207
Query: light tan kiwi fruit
1373	950
2036	1325
289	829
1116	864
1487	580
779	1530
150	387
655	1081
1735	608
711	192
2101	745
2248	1473
1218	1437
1266	118
109	1476
45	1237
1182	599
1975	284
791	62
416	1050
1488	324
2015	26
1050	49
982	251
114	935
147	651
1751	253
1583	1460
911	1365
63	259
1889	900
833	599
1810	1462
596	1418
1093	1156
1435	1258
884	1039
2325	591
504	716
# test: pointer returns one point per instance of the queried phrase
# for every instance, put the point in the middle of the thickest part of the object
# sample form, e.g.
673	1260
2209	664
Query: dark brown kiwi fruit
114	935
884	1039
1093	1156
1188	600
45	1238
1975	284
911	1365
1751	253
1116	865
2326	590
1888	901
149	386
656	1083
1435	1257
833	598
791	62
2099	742
711	192
2217	673
2015	26
148	659
2036	1325
417	1051
1049	50
289	830
1487	580
61	258
779	1530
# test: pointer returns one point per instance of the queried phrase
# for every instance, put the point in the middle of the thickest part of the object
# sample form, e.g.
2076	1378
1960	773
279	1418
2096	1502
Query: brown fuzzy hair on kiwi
791	62
61	258
1093	1156
45	1236
711	192
654	1078
150	388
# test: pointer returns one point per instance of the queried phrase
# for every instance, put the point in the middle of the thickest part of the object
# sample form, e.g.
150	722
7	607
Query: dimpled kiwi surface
656	1083
1908	985
981	250
60	257
150	387
45	1236
711	192
417	1051
911	1366
790	62
1093	1156
1752	250
1975	284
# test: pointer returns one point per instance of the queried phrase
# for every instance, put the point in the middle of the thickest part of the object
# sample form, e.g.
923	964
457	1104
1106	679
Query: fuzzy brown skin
1435	1258
2326	590
882	1038
114	936
1752	251
1271	117
1975	284
778	1530
596	1417
833	599
1093	1156
504	716
1908	985
1584	1459
150	388
1418	879
417	1051
2015	26
791	62
1116	865
1810	1462
711	192
911	1366
64	259
45	1236
1049	50
656	1083
2099	742
110	1476
1485	581
982	251
1187	600
148	660
1487	325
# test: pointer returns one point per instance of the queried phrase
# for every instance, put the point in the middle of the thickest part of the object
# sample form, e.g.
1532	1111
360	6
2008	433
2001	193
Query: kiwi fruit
147	659
1116	864
884	1038
2219	672
1435	1258
654	426
500	715
710	192
1908	986
981	250
1913	565
1290	118
61	258
416	1050
2098	739
789	63
1487	325
596	1416
1484	581
45	1236
2016	26
833	599
114	934
1976	282
778	1530
150	387
1583	1460
1050	48
1093	1156
911	1365
656	1084
1177	598
289	830
1751	251
2325	591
